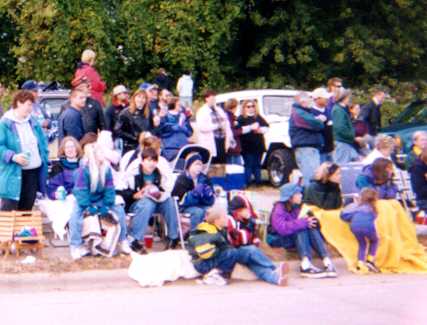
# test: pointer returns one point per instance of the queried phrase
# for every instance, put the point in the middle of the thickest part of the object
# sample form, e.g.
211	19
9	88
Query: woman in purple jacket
62	172
290	227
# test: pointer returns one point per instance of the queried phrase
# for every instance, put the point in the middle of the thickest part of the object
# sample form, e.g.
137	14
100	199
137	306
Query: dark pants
252	167
221	155
29	186
363	236
303	240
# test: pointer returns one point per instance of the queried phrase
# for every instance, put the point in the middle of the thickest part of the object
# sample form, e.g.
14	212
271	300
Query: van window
277	105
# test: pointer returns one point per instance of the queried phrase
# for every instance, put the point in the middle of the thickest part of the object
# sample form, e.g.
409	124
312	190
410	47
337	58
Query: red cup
148	241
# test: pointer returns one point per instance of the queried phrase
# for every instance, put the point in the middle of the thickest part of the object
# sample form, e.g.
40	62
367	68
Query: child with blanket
292	227
214	258
361	216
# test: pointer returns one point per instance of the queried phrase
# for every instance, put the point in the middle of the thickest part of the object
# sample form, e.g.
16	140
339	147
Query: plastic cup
148	241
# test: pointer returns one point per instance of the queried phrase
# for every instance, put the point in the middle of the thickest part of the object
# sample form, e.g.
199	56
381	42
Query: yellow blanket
399	250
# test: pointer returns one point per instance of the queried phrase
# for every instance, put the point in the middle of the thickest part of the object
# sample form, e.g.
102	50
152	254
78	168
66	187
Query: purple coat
285	222
61	175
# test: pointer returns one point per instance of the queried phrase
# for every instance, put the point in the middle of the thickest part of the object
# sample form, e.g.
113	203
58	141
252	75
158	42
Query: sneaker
313	273
124	247
372	267
171	243
361	267
136	246
214	278
330	271
78	252
283	270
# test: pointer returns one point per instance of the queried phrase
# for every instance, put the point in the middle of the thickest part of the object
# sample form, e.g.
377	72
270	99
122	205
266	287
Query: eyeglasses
338	86
250	106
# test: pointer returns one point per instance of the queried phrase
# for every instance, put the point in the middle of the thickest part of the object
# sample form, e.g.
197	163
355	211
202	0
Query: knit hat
288	190
191	159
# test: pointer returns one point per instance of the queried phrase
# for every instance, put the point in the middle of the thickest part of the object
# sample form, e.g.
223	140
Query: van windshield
277	105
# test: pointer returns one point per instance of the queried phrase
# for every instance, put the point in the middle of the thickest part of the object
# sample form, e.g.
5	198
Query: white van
275	107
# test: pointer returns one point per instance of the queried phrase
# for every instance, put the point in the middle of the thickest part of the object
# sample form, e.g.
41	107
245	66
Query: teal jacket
11	172
343	128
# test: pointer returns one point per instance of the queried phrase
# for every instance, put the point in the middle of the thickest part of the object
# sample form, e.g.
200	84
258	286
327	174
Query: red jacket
239	233
97	85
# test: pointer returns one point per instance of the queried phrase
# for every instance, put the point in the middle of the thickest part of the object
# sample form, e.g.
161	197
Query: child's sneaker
214	278
372	267
330	271
361	267
78	252
282	271
313	273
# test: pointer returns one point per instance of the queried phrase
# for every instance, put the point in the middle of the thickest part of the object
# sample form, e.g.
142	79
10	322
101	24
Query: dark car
413	118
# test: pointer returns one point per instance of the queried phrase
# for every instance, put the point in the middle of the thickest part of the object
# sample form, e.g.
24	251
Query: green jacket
323	195
343	128
11	172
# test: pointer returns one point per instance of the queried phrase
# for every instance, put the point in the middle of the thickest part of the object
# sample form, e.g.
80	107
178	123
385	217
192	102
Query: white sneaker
214	278
78	252
124	247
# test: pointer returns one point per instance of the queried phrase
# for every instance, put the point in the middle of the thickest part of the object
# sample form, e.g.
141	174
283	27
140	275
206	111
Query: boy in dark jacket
145	196
194	190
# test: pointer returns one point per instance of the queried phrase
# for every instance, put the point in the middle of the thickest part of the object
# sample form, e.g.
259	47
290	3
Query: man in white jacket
185	89
214	131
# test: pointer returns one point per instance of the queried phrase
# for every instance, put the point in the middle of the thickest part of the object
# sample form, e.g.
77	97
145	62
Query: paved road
350	299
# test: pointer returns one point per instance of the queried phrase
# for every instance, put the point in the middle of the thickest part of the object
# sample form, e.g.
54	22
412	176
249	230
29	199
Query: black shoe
330	271
313	273
172	244
137	247
372	267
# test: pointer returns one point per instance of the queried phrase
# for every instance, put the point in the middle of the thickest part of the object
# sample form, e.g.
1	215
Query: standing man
163	80
371	112
70	121
185	89
320	110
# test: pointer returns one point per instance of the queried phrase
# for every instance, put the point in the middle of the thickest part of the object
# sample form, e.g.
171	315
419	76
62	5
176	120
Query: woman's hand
20	159
138	195
312	222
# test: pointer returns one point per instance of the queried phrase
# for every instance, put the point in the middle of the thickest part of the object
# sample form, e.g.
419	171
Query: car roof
63	93
256	93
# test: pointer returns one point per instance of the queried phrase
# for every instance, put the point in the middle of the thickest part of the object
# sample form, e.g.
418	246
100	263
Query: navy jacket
71	124
418	179
304	129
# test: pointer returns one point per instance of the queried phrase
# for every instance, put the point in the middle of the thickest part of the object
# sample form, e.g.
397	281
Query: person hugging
362	215
241	226
292	226
194	190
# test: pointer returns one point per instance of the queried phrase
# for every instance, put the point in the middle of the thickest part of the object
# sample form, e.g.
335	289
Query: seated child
361	216
144	196
241	226
194	190
291	227
215	259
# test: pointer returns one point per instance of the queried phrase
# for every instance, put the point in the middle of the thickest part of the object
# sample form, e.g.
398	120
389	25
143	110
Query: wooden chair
31	219
7	220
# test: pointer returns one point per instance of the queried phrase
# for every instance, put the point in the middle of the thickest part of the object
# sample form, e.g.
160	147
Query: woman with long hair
95	194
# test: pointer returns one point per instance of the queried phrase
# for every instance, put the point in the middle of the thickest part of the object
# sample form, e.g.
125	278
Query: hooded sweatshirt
185	86
29	142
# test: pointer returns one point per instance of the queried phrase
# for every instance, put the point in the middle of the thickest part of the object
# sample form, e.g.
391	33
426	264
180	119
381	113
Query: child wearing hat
194	190
291	227
241	226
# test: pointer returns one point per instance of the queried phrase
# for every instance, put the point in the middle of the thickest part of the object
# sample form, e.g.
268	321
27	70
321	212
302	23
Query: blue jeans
76	224
144	209
197	215
308	160
344	153
252	167
303	240
253	258
224	261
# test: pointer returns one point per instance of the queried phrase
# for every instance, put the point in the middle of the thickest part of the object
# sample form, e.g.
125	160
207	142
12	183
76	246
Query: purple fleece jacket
285	222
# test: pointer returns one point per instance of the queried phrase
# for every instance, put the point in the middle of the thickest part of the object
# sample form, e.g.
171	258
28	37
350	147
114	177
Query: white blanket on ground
156	268
58	212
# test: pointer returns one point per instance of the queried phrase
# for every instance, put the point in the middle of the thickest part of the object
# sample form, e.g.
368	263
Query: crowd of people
115	161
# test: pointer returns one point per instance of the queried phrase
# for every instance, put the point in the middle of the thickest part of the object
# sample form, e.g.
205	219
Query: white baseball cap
119	89
320	93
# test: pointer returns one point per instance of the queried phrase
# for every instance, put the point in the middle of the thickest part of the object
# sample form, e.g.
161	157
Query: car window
53	106
277	105
418	114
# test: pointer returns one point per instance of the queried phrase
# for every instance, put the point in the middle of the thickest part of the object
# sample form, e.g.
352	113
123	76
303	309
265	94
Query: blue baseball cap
288	190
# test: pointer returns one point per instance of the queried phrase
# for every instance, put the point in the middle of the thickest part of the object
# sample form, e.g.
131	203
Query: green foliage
227	44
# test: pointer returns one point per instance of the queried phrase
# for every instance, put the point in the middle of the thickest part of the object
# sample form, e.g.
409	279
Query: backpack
203	242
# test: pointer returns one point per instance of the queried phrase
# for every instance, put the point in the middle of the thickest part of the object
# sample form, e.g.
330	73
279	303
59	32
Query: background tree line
228	44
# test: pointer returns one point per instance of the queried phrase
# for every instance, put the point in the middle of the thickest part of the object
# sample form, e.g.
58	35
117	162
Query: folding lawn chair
349	173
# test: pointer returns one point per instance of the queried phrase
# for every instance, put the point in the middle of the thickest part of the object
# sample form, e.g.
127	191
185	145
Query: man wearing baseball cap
321	98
